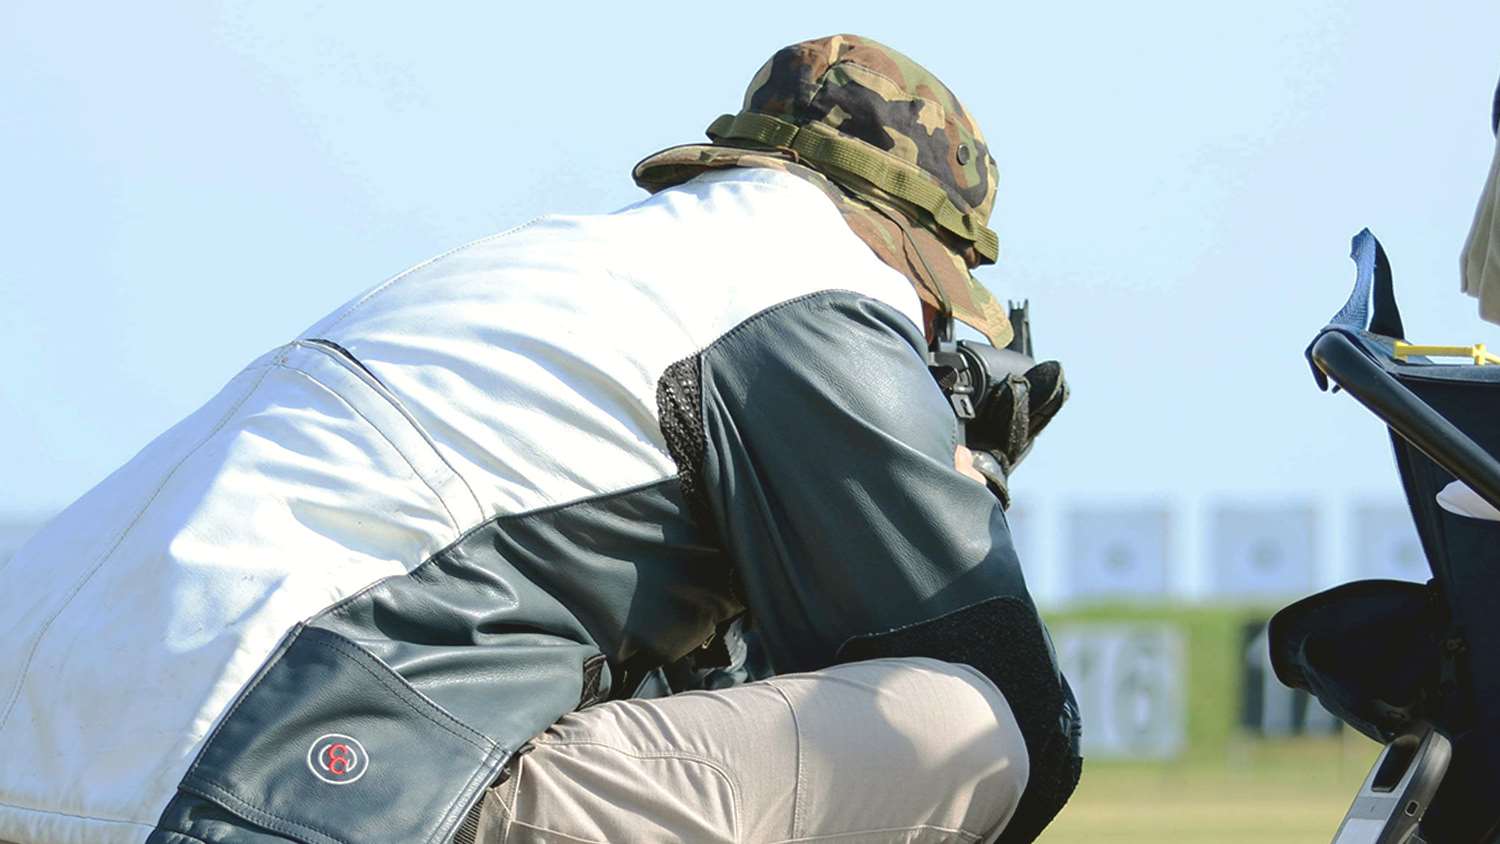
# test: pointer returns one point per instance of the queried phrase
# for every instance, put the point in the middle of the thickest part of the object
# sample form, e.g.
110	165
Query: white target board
1384	544
1262	553
1116	553
1129	680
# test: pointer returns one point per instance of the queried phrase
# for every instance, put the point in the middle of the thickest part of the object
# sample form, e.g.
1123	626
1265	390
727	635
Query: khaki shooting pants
891	750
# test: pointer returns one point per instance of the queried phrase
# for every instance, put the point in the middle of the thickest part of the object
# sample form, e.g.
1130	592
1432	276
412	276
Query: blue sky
189	184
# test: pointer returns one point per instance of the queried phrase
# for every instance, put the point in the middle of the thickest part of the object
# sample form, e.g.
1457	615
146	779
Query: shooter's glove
1010	419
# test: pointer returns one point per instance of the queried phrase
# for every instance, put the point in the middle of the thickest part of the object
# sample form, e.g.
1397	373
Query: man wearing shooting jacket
406	577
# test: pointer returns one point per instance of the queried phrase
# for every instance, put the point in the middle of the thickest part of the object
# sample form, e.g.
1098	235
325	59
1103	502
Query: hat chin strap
845	157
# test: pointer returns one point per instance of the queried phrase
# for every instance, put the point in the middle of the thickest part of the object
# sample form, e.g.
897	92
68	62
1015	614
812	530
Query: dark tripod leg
1400	787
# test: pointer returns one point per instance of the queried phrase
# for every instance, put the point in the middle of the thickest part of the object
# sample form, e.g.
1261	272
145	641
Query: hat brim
952	287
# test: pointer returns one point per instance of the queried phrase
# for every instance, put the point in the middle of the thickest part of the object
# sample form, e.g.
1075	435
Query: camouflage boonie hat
888	143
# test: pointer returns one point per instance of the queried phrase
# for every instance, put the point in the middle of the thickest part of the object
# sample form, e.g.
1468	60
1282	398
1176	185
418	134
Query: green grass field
1289	792
1226	787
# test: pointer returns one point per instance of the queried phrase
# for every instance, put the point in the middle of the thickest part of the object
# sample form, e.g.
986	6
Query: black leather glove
1019	408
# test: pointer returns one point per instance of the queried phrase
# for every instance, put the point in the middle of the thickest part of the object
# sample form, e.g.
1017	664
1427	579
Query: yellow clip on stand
1476	352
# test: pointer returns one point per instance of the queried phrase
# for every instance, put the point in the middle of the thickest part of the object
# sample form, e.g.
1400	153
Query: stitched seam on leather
417	473
246	694
349	310
267	819
103	558
76	817
358	655
390	397
825	295
827	300
329	640
340	608
265	671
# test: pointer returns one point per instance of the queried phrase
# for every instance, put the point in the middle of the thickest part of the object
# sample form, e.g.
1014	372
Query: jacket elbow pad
1004	639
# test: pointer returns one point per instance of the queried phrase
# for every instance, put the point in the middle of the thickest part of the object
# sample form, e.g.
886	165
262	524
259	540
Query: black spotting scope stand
1409	771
